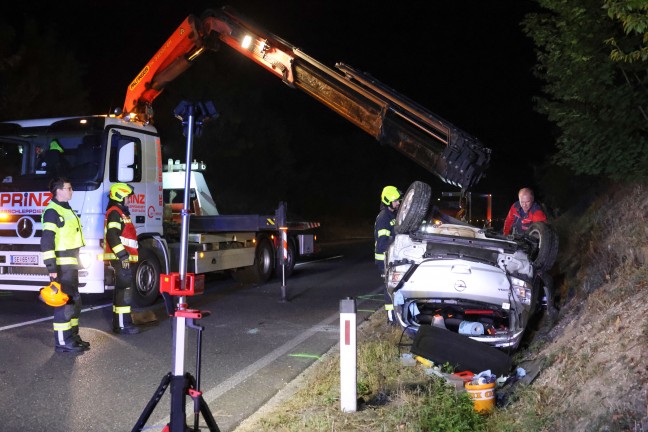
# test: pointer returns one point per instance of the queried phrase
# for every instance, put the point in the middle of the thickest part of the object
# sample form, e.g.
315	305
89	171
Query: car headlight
395	274
522	290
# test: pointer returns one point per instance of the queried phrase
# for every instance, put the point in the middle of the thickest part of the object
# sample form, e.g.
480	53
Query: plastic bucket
483	396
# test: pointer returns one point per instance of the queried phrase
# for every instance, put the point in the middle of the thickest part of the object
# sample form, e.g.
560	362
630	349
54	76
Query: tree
597	101
633	15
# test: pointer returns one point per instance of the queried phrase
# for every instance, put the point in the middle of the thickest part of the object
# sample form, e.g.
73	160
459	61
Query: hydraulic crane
450	153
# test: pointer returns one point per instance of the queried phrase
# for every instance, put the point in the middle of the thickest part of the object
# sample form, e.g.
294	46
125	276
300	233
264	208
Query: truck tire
547	240
413	207
263	266
147	278
290	262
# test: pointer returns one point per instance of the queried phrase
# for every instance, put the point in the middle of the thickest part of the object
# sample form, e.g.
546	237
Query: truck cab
97	151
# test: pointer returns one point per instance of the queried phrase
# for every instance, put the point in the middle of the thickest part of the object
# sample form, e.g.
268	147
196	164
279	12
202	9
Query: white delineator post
348	356
284	261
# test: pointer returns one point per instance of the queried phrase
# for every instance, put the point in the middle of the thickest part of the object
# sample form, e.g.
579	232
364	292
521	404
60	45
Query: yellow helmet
390	194
119	191
53	295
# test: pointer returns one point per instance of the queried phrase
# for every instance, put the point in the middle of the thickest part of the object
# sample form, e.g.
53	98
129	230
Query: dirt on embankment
595	360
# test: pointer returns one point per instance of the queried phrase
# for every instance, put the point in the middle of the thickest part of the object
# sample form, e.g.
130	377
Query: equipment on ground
180	285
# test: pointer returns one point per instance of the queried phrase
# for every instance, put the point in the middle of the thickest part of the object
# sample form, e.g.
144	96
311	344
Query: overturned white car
445	273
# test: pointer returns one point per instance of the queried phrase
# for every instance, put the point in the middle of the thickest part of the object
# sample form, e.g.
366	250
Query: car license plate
24	259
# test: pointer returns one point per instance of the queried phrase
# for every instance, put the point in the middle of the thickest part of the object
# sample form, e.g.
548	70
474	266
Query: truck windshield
31	156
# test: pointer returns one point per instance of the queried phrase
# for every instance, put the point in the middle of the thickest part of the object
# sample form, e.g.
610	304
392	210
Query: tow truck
124	146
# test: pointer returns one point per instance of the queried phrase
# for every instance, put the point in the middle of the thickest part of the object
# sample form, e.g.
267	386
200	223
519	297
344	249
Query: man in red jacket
523	213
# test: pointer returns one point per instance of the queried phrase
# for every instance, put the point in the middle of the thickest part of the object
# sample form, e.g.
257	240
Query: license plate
24	259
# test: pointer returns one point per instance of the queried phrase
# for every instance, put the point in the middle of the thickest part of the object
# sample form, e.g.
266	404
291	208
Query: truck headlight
522	290
85	260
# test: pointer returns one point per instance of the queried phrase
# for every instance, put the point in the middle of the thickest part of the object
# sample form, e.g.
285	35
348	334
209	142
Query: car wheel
547	250
413	207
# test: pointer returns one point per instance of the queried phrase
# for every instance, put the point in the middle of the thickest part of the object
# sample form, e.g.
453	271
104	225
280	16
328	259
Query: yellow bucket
483	396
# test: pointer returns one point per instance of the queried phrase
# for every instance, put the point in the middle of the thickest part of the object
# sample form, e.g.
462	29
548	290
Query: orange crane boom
452	154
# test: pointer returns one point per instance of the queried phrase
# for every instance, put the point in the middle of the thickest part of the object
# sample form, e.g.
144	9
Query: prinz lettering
25	199
137	199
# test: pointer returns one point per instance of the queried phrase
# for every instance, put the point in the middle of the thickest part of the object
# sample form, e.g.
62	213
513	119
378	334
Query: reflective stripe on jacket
62	235
383	232
120	236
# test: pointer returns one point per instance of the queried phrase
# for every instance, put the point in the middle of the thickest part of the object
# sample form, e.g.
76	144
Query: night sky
466	61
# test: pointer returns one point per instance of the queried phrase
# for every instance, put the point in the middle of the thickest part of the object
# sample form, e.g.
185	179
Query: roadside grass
391	396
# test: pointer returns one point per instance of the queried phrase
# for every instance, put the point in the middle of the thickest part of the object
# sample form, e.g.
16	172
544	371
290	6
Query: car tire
547	250
413	208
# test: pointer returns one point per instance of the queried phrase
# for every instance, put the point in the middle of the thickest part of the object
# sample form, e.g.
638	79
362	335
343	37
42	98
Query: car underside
471	281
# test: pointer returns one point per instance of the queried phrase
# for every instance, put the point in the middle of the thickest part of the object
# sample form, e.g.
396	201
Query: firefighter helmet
53	295
119	191
390	194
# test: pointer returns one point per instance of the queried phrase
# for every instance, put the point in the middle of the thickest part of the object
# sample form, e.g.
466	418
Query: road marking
222	388
319	260
26	323
304	355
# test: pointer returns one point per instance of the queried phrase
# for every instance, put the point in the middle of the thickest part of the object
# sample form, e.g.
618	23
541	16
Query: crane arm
450	153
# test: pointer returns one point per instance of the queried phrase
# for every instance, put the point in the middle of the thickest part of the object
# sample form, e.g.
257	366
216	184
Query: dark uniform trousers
123	294
66	317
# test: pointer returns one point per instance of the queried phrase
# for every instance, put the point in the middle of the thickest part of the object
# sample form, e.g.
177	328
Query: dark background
467	61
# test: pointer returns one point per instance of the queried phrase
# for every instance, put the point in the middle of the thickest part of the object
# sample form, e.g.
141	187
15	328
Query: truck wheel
547	245
261	270
147	278
290	262
413	207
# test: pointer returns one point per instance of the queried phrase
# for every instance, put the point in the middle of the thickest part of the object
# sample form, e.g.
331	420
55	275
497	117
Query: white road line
318	260
216	392
26	323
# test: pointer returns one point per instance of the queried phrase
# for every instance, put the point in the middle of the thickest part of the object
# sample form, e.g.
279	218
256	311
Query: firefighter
120	248
60	243
523	213
54	162
383	233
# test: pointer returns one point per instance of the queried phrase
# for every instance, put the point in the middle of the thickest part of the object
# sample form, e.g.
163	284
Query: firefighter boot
122	320
77	337
65	343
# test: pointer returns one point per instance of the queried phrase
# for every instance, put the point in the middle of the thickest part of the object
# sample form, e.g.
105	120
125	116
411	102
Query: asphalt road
253	345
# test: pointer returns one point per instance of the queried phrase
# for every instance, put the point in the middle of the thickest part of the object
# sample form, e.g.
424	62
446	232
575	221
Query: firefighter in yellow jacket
60	243
120	248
